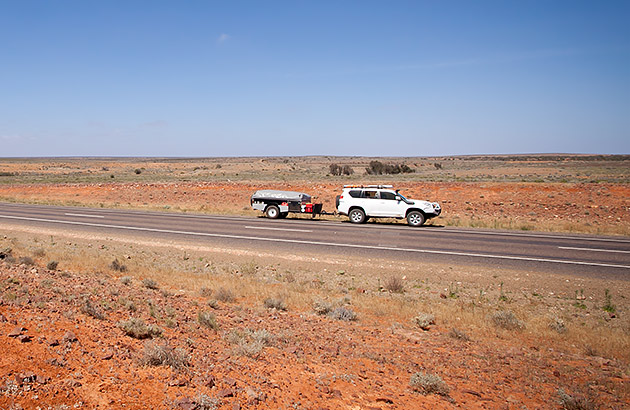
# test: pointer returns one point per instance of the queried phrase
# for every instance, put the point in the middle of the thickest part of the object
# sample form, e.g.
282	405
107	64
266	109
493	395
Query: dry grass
155	354
316	287
427	383
138	329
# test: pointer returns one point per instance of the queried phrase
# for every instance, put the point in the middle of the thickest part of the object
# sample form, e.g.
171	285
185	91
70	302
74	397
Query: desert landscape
93	320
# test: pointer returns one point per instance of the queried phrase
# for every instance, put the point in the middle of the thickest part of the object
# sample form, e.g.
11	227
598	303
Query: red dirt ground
70	359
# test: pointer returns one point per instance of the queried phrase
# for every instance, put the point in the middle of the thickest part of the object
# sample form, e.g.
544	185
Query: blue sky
202	78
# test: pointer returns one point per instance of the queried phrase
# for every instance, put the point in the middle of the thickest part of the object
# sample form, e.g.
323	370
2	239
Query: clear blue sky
203	78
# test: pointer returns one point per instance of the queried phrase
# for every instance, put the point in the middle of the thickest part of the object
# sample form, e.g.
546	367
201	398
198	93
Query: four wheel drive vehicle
278	204
381	201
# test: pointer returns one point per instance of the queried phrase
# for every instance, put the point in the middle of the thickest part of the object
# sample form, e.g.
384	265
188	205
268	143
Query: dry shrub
424	320
250	342
505	319
138	329
569	402
343	313
205	292
395	284
52	265
38	253
427	383
150	284
321	307
117	266
89	309
26	260
458	334
207	319
275	303
163	355
126	280
558	325
224	295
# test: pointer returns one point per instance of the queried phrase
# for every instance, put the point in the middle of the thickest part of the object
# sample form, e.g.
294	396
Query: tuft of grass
321	307
26	260
126	280
117	266
608	306
395	284
155	354
343	313
273	303
52	265
424	320
569	402
505	319
150	283
458	334
138	329
205	292
427	383
224	295
89	309
207	319
249	343
39	253
558	325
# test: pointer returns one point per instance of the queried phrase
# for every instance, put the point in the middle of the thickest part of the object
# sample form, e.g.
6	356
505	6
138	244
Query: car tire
415	218
357	216
272	212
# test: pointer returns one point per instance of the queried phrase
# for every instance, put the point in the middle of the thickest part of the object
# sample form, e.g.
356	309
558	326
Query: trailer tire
272	212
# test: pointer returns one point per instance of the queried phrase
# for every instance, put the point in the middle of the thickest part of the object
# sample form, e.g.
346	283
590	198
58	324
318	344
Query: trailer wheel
272	212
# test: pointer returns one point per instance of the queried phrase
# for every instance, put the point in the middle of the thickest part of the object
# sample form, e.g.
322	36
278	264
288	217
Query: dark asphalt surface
606	257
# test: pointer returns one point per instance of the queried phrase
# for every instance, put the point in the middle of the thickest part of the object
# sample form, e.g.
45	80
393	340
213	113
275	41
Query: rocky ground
67	342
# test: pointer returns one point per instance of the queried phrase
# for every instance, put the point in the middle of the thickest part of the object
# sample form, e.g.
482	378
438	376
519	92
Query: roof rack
369	186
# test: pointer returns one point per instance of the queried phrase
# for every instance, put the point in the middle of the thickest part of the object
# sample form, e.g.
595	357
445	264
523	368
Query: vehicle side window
388	195
370	194
355	193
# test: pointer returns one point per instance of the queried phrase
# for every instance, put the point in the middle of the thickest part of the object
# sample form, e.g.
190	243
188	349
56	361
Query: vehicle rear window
355	193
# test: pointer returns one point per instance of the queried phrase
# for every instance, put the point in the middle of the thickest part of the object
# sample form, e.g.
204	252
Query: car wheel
415	218
272	212
357	216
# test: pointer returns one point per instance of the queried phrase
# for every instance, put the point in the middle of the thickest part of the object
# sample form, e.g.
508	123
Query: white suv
381	201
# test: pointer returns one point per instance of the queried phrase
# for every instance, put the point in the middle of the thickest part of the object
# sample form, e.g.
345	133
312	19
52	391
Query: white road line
305	242
277	229
337	223
592	250
85	215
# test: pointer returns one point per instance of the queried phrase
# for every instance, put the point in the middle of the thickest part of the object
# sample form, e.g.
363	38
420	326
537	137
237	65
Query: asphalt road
607	257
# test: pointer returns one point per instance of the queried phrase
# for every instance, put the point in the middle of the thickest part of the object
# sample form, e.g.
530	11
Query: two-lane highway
604	256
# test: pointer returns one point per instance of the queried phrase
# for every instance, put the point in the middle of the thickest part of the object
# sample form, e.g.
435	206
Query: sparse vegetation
126	280
117	266
52	265
608	305
89	309
322	307
395	284
458	334
343	313
424	320
150	284
155	354
138	329
224	295
207	319
427	383
558	325
569	402
26	260
379	168
505	319
275	303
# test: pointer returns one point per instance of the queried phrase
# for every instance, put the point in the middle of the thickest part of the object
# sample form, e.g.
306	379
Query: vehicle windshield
403	197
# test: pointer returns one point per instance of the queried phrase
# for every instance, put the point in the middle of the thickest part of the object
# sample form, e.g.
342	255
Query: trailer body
278	204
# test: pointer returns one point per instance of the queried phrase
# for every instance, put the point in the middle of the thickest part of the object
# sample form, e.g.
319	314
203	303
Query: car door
369	201
389	206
